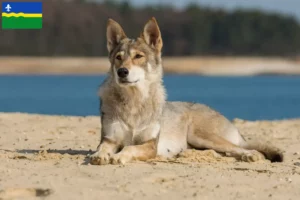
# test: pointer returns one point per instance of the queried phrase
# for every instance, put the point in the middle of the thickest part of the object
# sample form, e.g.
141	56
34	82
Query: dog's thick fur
138	123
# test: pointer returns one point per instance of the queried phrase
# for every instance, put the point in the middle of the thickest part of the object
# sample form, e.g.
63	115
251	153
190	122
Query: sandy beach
46	156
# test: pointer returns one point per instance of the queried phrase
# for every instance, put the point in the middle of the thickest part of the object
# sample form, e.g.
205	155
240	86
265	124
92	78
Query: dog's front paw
100	158
120	159
252	156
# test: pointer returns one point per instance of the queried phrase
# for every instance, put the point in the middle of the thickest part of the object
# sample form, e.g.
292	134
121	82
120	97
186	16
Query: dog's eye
137	56
118	57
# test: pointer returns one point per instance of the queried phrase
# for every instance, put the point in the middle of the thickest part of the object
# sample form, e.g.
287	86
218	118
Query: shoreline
206	65
233	120
47	154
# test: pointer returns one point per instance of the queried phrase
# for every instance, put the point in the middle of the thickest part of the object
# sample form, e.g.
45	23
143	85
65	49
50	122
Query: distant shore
214	66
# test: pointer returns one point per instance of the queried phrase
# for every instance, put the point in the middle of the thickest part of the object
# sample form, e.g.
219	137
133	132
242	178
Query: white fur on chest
120	132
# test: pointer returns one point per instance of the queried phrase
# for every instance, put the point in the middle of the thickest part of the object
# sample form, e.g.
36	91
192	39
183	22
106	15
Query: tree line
78	28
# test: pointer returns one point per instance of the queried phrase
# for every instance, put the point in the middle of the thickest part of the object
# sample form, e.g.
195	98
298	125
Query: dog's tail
270	152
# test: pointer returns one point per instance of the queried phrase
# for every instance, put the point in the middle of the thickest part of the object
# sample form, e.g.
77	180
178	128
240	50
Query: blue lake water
251	98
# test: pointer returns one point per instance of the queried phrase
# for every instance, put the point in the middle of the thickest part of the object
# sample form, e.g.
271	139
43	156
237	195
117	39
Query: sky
289	7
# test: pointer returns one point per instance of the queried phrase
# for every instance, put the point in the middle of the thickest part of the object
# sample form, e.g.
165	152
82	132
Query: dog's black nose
123	72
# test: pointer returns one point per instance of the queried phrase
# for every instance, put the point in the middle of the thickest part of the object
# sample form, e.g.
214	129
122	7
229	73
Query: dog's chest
133	113
128	124
134	117
129	117
126	131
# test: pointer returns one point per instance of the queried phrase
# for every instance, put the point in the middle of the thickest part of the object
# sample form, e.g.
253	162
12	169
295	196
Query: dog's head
134	61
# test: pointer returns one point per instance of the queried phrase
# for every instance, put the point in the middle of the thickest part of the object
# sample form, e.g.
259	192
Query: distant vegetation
77	28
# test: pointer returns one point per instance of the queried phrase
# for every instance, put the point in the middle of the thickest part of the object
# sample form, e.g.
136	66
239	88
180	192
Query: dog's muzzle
125	78
123	72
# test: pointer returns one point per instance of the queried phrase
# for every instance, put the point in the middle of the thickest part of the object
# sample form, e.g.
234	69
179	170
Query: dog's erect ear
151	34
114	34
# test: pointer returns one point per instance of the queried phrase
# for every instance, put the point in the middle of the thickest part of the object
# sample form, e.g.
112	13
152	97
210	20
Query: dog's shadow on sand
59	151
71	152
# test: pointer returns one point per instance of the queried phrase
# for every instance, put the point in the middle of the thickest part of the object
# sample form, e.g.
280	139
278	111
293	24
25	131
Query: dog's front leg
104	152
144	146
140	152
112	138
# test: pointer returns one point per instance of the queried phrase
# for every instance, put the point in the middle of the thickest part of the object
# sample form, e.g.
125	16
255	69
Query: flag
22	15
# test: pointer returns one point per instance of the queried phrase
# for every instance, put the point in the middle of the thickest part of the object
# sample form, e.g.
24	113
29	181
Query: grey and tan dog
138	123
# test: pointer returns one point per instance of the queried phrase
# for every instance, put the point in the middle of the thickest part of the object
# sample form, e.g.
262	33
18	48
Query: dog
139	124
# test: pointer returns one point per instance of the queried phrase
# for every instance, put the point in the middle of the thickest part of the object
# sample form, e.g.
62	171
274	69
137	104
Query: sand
46	156
205	65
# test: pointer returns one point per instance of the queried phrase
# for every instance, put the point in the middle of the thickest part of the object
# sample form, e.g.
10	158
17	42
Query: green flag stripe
21	23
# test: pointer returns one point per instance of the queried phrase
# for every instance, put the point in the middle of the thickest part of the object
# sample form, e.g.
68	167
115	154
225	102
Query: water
251	98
